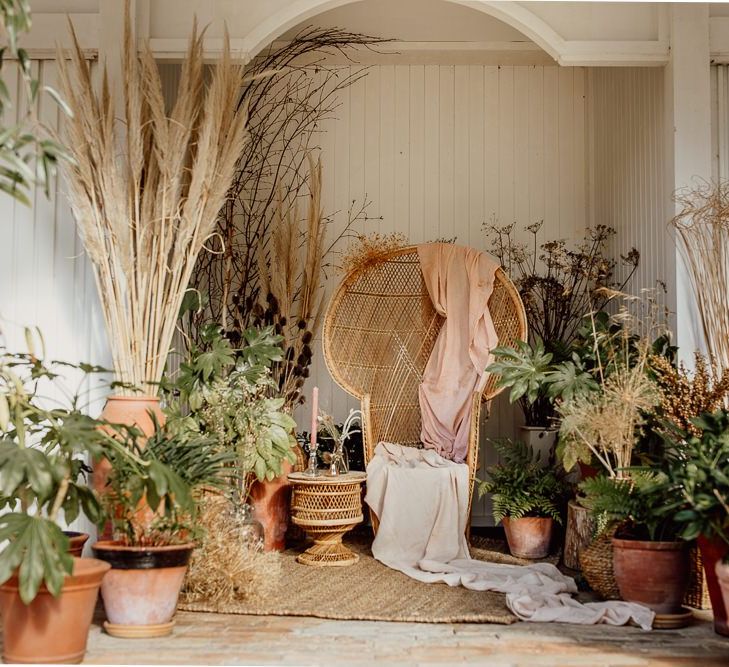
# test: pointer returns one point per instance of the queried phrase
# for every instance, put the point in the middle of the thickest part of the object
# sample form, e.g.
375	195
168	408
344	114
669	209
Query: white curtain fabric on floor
421	500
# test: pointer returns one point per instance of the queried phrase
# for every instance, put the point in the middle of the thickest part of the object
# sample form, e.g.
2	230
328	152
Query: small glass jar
248	529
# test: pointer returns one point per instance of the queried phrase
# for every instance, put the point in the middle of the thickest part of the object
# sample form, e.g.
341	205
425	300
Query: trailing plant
162	471
702	231
223	393
289	91
639	504
26	139
521	485
146	189
44	446
698	465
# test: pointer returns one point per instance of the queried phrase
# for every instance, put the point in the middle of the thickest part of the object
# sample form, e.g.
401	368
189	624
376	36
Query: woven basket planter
597	566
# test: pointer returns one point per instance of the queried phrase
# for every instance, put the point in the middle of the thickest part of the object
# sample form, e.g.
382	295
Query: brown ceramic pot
51	630
712	553
271	501
529	537
141	590
722	576
76	542
655	574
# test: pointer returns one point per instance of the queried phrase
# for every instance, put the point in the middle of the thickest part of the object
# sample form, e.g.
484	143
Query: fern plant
521	486
643	504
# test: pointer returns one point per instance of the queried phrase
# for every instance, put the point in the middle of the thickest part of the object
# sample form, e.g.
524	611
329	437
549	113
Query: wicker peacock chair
379	330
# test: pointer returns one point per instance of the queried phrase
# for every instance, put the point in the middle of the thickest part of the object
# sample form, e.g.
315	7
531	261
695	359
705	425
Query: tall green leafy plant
44	447
224	393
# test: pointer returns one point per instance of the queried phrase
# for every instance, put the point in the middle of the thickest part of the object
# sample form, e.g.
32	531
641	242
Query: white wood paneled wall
627	168
45	277
440	149
720	121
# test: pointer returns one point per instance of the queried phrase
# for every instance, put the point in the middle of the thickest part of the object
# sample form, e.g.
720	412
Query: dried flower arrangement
221	569
605	421
291	295
702	227
559	285
289	90
146	190
686	395
369	248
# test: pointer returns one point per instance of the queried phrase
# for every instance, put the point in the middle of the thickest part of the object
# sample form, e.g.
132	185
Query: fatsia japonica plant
44	446
226	393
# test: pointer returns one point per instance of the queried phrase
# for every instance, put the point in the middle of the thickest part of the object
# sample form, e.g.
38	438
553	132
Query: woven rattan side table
326	508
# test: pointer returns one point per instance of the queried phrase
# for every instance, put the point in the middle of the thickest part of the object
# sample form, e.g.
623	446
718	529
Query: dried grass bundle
291	298
146	190
369	248
686	395
702	226
221	569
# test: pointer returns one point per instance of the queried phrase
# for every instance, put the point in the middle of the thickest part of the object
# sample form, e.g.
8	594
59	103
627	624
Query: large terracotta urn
271	500
130	411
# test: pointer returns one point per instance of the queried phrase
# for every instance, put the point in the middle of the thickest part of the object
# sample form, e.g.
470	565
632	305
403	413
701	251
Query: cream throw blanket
460	281
421	500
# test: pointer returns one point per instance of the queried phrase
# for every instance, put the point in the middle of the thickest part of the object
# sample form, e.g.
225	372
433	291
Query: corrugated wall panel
439	150
627	165
45	277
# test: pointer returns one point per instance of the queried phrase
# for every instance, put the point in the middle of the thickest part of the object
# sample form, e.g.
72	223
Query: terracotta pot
141	590
271	502
655	574
713	552
722	575
51	630
529	537
130	411
77	541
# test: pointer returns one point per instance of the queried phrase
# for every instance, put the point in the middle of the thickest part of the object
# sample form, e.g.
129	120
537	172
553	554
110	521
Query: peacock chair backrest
379	330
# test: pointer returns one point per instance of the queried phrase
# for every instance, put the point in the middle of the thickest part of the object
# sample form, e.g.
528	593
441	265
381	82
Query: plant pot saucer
138	631
673	621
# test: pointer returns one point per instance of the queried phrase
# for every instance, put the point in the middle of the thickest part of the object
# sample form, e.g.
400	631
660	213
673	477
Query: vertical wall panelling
627	177
45	277
720	117
440	149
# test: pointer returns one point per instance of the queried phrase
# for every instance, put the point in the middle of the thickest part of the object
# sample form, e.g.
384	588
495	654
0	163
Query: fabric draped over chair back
379	332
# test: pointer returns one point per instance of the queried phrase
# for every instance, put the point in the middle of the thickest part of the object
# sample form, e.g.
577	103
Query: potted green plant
150	499
538	382
699	466
226	393
650	561
527	498
47	596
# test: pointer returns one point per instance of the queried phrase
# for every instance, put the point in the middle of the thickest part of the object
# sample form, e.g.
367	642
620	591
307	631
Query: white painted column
688	128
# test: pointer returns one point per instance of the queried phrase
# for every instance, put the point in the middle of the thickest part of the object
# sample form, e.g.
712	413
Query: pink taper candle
314	414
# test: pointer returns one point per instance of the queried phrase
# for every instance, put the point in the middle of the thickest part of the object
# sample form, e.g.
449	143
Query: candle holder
312	470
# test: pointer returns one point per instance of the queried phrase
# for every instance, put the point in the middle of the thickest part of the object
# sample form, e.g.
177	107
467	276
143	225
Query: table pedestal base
328	550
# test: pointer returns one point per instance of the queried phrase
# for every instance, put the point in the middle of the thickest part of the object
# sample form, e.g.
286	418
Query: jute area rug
369	591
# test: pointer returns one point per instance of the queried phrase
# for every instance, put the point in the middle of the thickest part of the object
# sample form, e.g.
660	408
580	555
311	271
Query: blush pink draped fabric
460	281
